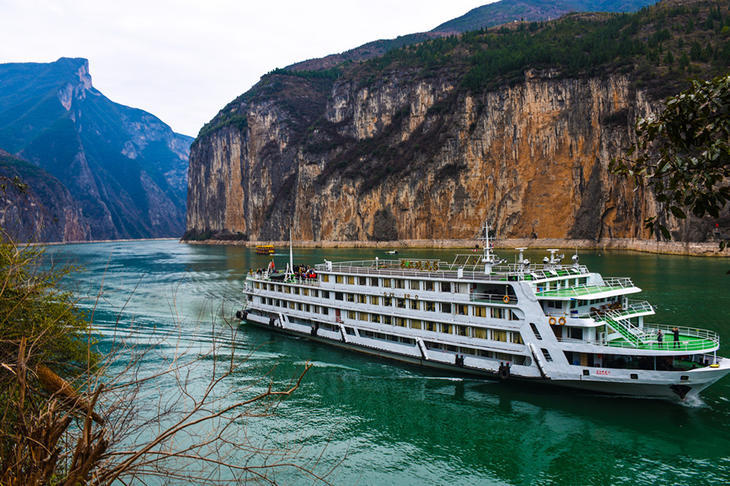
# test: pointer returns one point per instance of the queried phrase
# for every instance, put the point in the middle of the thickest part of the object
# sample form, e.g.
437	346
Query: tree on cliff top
683	154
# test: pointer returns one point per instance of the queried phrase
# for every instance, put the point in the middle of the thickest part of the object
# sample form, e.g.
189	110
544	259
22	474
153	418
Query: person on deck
675	331
659	337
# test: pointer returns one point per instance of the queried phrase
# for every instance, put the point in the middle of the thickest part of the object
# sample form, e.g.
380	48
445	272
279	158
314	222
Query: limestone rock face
35	206
417	159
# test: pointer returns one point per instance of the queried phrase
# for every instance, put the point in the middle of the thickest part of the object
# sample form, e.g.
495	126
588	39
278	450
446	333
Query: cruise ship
552	322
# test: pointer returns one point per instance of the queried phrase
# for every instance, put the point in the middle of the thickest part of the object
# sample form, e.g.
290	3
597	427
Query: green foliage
577	44
33	307
228	119
684	153
332	73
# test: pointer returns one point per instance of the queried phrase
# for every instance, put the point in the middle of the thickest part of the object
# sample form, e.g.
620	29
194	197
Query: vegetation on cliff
663	46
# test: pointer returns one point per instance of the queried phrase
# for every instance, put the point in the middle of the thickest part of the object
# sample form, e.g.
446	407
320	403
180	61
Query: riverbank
54	243
709	248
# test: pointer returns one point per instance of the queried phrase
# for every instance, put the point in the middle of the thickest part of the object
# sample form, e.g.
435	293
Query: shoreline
55	243
707	248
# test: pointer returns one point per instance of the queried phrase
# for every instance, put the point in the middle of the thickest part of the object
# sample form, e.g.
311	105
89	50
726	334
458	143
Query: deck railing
611	283
444	270
699	339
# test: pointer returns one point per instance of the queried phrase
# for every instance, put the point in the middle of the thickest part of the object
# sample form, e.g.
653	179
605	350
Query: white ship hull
657	385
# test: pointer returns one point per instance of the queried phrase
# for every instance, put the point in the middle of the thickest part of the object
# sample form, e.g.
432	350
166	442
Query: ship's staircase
619	321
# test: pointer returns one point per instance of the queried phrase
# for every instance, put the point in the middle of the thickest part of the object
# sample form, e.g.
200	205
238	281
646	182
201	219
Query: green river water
385	423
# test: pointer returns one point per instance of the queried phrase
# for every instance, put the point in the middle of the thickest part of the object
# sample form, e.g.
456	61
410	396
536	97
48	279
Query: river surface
385	423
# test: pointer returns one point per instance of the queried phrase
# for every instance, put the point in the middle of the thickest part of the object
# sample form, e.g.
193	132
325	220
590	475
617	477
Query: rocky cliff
124	167
35	206
391	149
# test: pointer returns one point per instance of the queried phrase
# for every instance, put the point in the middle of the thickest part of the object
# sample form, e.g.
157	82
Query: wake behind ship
552	322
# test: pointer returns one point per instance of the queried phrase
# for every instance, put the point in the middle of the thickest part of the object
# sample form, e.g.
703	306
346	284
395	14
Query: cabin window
305	292
387	320
387	282
350	297
428	285
362	299
374	281
497	313
387	301
431	326
338	279
351	280
445	287
295	290
479	332
350	331
513	316
446	307
363	316
291	305
480	311
352	315
576	332
374	317
257	285
461	330
414	305
415	324
338	295
325	294
462	309
401	303
429	306
517	338
325	278
415	285
546	354
399	321
499	335
451	348
374	299
287	290
362	280
446	328
400	283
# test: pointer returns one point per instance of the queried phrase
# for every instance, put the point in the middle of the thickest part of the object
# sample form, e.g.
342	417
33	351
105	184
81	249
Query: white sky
184	60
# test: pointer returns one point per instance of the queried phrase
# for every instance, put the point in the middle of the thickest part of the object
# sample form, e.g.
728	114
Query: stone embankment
708	248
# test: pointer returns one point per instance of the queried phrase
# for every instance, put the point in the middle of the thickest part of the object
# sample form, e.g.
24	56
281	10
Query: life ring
552	321
505	299
561	321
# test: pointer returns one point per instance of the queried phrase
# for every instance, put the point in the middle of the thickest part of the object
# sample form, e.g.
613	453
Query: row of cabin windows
399	283
562	284
316	309
455	329
428	306
513	358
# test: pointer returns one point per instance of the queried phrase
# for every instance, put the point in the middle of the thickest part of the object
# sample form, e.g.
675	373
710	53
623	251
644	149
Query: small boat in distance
265	249
392	252
555	323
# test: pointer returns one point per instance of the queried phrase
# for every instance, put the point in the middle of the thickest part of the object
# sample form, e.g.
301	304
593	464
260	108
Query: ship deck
685	343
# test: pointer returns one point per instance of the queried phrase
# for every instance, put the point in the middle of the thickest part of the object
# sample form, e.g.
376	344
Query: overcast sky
184	60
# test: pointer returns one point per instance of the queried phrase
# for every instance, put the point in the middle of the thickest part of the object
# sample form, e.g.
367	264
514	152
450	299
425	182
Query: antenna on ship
489	259
291	254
